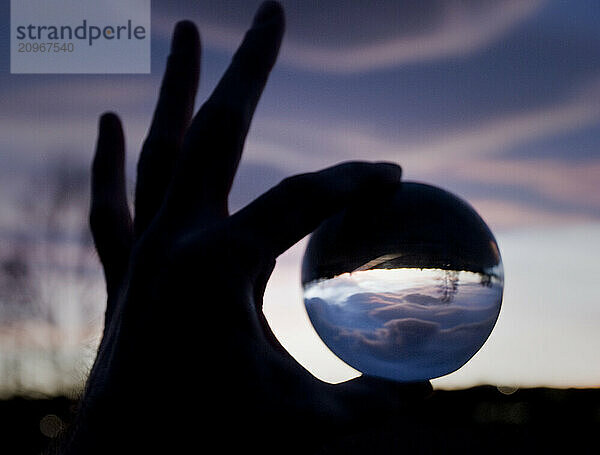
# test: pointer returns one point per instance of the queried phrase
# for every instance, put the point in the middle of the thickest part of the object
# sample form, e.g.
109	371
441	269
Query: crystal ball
407	286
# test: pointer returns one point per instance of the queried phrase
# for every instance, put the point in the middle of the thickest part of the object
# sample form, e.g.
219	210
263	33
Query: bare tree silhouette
49	282
448	285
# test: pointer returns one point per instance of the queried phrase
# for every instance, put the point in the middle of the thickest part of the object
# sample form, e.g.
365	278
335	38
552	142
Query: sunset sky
496	101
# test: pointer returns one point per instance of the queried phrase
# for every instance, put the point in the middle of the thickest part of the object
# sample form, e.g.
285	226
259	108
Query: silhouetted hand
187	359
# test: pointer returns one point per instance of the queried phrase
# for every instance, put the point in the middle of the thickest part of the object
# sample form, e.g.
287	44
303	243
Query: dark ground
477	420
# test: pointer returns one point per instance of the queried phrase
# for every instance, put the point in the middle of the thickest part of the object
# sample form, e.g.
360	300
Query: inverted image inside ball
407	287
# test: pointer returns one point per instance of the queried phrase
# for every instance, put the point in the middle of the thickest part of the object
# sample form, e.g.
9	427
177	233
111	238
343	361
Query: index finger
214	142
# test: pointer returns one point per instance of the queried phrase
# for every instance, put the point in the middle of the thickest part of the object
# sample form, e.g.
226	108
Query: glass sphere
406	287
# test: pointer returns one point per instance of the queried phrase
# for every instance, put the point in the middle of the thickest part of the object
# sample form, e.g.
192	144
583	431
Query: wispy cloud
492	136
452	30
506	214
76	95
475	153
571	183
476	141
461	31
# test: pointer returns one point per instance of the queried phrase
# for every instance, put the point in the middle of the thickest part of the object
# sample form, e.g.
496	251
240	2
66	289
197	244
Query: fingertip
110	144
268	12
109	119
183	27
391	171
185	34
110	134
364	175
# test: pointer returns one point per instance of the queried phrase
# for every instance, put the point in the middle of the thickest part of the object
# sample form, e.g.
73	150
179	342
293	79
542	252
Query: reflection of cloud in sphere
399	337
409	334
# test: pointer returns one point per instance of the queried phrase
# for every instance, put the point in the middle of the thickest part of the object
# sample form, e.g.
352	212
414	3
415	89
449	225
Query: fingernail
266	13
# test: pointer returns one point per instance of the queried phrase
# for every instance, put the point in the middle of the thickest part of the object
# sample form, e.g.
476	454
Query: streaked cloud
571	183
506	214
459	32
466	95
76	95
351	38
474	153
